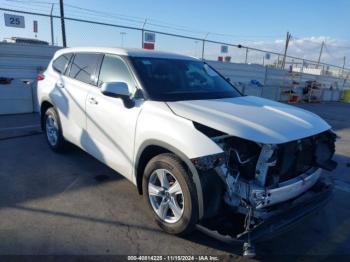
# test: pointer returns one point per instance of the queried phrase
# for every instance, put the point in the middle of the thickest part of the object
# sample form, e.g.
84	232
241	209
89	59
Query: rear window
60	64
84	66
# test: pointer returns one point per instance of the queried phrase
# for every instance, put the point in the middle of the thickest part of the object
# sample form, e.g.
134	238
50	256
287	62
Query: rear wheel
53	131
170	193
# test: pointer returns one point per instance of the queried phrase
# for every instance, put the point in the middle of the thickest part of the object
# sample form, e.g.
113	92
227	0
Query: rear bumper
282	217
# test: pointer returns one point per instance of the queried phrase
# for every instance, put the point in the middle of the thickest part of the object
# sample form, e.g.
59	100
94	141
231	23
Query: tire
157	194
53	131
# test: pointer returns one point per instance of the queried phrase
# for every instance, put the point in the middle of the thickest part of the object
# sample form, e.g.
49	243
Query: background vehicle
196	149
22	40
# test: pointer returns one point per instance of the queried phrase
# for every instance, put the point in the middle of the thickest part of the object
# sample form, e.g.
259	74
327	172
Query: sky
260	24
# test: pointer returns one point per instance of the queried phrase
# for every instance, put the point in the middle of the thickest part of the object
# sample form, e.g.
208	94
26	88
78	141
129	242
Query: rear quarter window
83	67
60	63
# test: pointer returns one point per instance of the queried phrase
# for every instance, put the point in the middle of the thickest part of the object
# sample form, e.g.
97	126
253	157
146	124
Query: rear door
75	85
110	124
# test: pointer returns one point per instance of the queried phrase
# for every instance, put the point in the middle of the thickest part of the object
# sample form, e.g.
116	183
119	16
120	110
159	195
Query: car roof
125	52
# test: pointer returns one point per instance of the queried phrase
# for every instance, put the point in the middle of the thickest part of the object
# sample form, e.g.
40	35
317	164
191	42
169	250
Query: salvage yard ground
72	204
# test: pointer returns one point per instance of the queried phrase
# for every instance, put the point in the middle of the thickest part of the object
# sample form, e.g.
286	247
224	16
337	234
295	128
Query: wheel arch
152	148
45	104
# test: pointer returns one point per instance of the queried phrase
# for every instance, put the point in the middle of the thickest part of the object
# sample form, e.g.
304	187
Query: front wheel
171	194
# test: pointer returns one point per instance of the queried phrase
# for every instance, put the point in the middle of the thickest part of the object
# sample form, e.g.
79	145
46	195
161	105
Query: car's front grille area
297	157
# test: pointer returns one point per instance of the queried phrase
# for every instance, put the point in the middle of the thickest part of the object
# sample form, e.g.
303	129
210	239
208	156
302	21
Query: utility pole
319	57
246	55
51	21
285	49
63	25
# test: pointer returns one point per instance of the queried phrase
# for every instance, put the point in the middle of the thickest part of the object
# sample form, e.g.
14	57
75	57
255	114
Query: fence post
203	46
302	66
51	22
63	27
142	40
143	33
264	85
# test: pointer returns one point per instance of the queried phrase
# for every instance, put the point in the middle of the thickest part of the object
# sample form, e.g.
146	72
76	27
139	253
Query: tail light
40	77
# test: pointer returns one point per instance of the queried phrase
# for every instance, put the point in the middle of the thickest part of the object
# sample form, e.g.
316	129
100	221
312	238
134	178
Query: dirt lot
72	204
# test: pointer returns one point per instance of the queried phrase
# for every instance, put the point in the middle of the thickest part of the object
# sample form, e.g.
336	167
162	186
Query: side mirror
118	90
115	89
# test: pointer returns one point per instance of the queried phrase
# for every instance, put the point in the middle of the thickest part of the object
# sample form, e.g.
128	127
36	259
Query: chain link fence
89	32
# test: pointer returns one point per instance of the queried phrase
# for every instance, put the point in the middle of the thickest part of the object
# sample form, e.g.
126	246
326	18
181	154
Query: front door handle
60	84
93	101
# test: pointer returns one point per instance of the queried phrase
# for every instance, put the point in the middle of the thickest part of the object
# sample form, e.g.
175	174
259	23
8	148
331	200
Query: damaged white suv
199	151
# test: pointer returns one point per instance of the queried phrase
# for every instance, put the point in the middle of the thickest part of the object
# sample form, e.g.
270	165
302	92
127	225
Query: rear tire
173	202
53	131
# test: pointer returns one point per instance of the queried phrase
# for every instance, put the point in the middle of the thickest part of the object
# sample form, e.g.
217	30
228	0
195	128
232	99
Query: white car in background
199	151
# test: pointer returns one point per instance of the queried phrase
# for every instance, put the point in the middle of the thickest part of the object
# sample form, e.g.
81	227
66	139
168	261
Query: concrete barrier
21	62
16	98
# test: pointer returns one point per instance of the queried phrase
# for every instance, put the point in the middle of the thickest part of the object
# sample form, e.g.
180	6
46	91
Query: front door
110	124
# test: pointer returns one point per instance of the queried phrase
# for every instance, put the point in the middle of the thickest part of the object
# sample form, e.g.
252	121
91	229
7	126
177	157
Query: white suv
199	151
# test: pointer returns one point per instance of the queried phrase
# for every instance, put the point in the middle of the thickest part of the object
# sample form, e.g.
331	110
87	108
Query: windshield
176	79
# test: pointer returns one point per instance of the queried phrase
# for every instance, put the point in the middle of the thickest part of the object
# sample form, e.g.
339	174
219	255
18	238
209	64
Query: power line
140	20
75	19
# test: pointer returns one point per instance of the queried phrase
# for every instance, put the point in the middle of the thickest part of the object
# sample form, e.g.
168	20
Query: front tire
171	194
53	131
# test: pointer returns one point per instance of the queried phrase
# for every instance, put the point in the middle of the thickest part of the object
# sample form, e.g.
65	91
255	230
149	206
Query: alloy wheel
166	196
52	130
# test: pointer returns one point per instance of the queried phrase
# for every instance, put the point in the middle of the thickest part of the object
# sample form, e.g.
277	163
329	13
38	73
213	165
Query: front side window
114	69
60	64
84	66
177	79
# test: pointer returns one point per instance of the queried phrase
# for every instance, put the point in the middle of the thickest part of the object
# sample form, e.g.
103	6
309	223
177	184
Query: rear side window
60	64
114	69
84	66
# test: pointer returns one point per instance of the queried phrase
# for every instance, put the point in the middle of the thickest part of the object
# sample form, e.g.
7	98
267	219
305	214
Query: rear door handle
93	101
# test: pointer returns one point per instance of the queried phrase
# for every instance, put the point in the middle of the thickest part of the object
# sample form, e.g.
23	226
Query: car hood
252	118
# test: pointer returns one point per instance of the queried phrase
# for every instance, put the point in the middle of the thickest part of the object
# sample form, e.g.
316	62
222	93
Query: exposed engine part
261	180
249	249
266	159
264	175
297	157
241	156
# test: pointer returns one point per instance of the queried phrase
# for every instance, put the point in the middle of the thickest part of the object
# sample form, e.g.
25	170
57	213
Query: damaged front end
253	190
